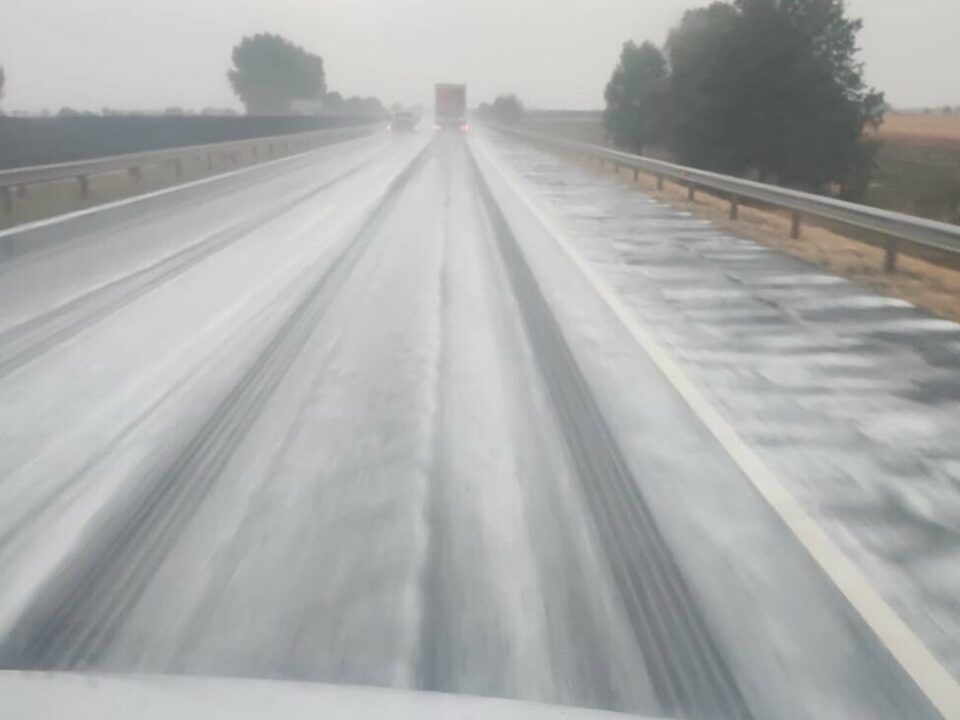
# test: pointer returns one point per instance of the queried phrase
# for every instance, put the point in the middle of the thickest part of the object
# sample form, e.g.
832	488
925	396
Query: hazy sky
91	54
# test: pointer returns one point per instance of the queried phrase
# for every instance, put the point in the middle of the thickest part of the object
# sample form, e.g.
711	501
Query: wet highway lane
335	425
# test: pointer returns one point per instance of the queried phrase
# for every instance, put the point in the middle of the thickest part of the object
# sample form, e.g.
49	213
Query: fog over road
354	418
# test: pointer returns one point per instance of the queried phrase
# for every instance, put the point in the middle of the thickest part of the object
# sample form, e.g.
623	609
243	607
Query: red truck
450	106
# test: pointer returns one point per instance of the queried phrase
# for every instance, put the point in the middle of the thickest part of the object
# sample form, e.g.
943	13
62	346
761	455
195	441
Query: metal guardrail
256	149
900	230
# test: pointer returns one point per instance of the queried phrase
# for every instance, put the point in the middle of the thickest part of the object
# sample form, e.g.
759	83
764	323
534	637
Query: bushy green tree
333	102
773	87
636	97
506	109
703	91
269	72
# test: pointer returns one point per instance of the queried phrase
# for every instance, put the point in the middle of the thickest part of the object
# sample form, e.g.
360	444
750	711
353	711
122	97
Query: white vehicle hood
78	696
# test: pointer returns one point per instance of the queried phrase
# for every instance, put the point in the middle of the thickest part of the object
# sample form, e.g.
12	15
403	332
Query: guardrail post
691	192
795	225
734	207
636	174
6	197
178	167
233	156
210	161
890	259
659	182
255	152
136	173
84	186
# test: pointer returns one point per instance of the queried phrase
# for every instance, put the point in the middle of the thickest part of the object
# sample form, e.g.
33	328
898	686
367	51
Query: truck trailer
450	106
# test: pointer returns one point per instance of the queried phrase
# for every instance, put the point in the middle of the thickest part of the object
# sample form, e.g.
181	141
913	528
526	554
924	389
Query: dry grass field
922	128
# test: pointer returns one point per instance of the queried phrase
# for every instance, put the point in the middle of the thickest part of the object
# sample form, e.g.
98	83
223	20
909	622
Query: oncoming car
404	121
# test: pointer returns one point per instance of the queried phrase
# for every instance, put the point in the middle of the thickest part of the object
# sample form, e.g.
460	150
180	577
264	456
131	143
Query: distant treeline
506	109
766	88
68	111
40	141
271	77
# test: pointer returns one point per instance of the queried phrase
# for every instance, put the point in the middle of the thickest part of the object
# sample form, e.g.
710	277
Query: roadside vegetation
505	109
771	89
918	166
269	73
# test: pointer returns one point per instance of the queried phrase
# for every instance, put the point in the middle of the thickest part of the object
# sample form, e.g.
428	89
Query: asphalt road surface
349	418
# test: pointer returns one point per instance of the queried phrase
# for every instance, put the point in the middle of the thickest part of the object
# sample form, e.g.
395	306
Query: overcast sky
91	54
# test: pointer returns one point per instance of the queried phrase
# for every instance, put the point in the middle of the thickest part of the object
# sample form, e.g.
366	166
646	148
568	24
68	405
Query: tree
333	101
3	80
702	90
636	97
269	72
506	109
774	87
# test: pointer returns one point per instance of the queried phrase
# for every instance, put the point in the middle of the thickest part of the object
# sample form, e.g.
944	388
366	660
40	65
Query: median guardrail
15	180
901	231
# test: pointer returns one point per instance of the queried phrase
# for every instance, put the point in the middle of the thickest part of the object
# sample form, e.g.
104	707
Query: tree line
268	73
768	88
505	109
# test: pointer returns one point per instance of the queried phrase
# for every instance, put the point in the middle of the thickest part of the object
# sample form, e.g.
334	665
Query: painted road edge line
56	219
934	681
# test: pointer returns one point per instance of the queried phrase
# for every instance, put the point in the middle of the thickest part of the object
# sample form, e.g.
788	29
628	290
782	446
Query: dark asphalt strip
435	662
689	673
73	617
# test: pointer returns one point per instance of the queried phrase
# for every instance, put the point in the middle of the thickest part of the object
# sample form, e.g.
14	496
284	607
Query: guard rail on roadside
902	232
15	180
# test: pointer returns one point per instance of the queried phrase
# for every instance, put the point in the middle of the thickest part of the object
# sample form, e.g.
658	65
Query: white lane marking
157	193
936	683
